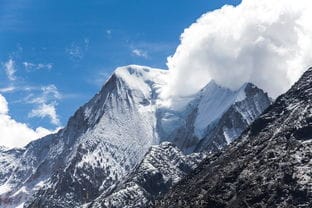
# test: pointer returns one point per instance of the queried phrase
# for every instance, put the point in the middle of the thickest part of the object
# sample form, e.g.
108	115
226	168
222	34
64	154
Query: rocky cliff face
162	167
268	166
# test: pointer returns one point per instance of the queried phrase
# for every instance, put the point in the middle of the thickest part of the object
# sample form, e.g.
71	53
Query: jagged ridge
163	166
269	166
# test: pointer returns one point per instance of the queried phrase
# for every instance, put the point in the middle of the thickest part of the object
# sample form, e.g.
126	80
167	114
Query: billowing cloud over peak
265	42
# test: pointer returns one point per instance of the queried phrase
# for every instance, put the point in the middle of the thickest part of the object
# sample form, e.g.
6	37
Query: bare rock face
162	167
270	165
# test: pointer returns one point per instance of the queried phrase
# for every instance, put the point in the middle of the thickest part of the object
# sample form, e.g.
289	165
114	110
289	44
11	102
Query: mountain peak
251	89
135	69
144	72
268	166
304	83
217	99
142	78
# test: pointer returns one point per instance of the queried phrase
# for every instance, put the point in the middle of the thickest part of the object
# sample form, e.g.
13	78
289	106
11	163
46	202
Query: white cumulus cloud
14	133
4	109
267	42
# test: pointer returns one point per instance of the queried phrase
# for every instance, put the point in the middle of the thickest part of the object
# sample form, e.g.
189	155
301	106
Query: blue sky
58	53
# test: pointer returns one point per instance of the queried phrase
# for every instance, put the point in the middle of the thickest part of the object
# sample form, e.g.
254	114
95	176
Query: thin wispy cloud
40	66
46	110
150	50
153	47
45	104
7	89
43	99
76	51
139	53
108	33
9	68
86	43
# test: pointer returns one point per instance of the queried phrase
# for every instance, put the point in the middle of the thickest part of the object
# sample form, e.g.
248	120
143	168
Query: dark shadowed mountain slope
269	166
163	166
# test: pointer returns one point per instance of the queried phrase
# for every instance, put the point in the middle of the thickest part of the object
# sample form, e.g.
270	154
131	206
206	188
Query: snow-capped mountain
214	118
103	141
106	139
250	103
162	167
270	165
